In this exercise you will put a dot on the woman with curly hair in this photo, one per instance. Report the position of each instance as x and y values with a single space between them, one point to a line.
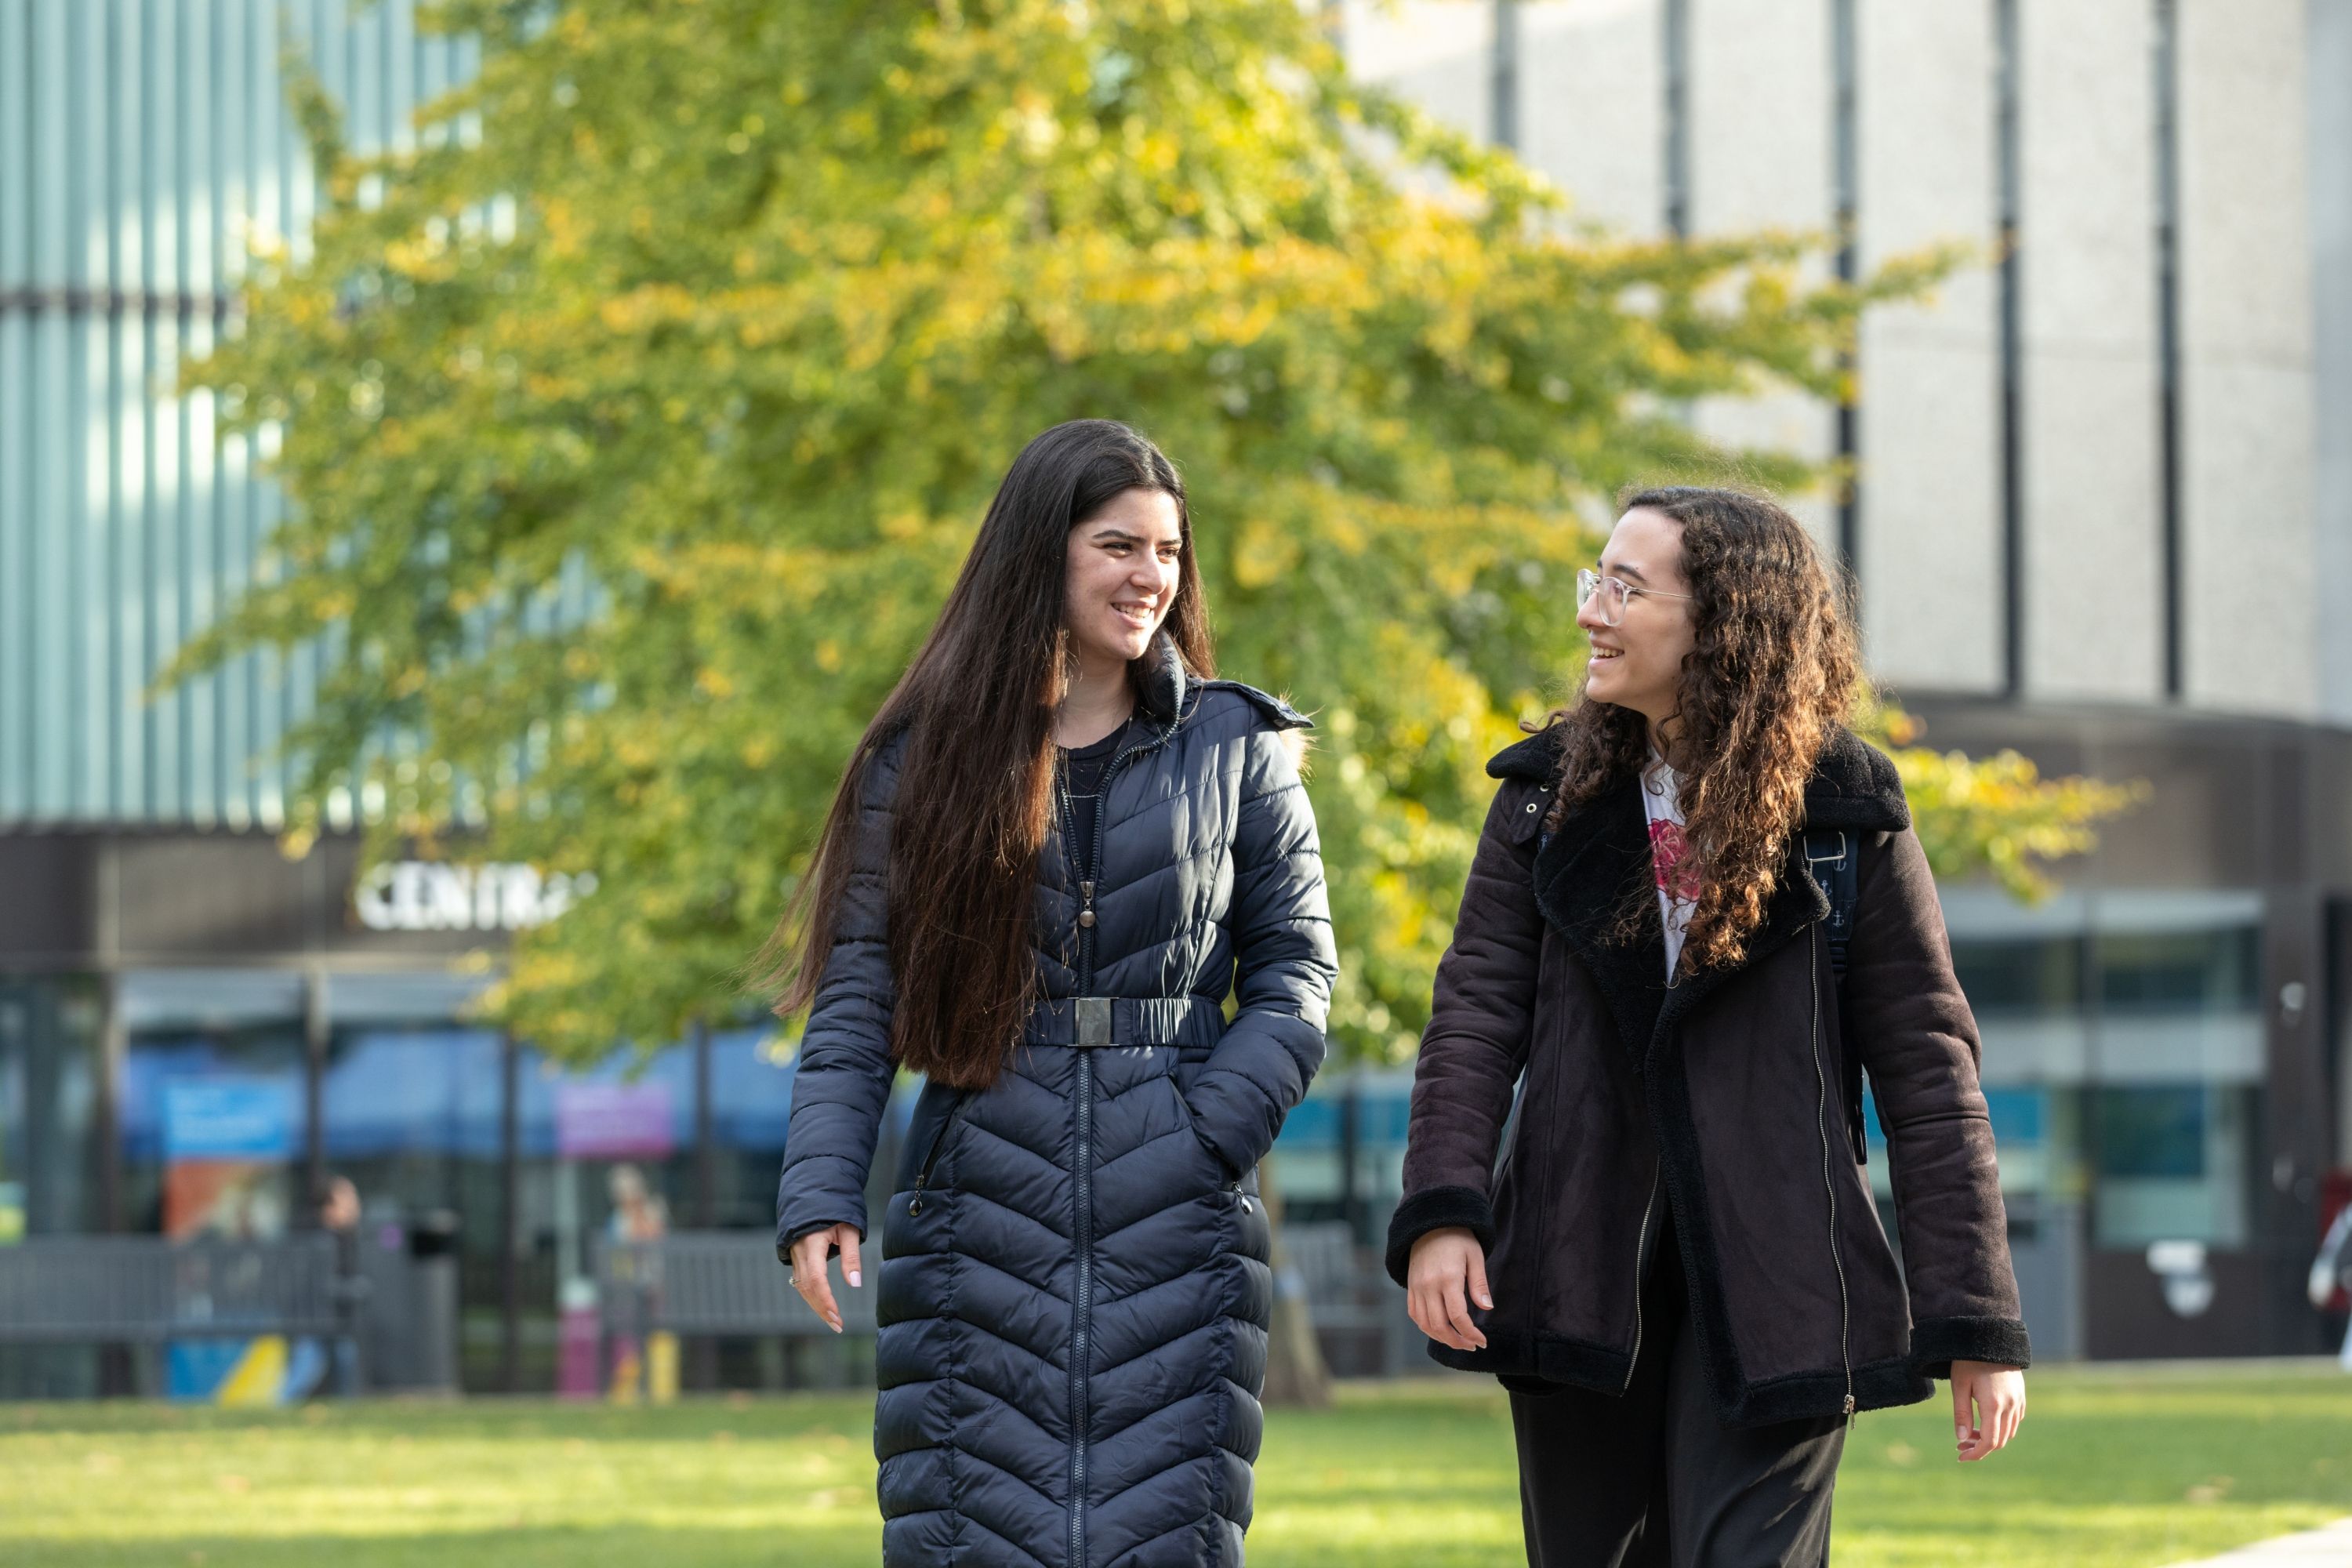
1675 1266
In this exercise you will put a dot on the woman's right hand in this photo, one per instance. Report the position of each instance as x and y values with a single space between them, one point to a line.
809 1272
1445 1274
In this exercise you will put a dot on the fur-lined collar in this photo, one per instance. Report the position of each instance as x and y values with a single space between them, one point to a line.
1598 864
1161 682
1854 783
1165 690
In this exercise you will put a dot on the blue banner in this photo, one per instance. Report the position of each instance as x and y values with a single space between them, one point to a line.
230 1119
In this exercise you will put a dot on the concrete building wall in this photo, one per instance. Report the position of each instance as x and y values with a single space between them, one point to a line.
2091 574
1760 159
1928 435
1438 53
2259 469
2249 610
2328 93
1593 107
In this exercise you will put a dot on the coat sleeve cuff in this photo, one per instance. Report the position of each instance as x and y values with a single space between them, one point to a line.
787 1234
1436 1208
1937 1343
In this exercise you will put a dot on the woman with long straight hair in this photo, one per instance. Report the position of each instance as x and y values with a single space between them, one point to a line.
1697 912
1059 848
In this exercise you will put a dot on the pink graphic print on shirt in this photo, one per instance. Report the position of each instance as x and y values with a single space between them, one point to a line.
1669 857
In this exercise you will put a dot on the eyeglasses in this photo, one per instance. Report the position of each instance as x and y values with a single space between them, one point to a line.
1613 593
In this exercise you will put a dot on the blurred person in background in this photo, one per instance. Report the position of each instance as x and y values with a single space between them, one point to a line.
2331 1273
340 1212
339 1216
637 1214
1058 847
643 1360
1677 1270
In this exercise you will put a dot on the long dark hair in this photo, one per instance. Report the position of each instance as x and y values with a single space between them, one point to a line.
1773 673
976 784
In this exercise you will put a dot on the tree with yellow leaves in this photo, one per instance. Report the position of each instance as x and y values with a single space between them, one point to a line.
632 441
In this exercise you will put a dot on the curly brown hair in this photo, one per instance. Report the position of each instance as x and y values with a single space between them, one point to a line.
1772 674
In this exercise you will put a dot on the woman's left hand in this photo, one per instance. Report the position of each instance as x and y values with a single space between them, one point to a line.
1996 1395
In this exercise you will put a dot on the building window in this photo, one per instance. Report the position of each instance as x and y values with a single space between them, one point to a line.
2138 1015
48 1106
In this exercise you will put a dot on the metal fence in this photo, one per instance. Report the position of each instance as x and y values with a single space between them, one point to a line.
723 1283
1357 1312
728 1284
140 1289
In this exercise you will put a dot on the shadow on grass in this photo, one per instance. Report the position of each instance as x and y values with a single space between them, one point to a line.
814 1546
478 1418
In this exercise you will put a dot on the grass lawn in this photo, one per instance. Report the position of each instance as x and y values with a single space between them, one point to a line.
2110 1470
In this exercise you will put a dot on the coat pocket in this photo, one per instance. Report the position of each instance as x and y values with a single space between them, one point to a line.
1228 1177
937 1109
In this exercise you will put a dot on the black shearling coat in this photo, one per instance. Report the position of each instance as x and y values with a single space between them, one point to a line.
1074 1282
1719 1099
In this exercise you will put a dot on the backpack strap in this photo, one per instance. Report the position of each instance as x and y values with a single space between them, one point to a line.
1833 856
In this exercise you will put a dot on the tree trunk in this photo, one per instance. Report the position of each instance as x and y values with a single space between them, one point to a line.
1295 1375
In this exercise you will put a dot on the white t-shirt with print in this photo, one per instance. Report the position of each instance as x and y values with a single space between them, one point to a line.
1677 878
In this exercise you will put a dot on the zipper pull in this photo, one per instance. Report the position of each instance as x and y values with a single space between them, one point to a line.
1848 1406
1086 914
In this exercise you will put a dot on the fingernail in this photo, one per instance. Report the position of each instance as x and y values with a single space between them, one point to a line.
853 1279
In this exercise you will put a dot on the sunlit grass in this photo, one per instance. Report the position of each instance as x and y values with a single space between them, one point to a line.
2110 1472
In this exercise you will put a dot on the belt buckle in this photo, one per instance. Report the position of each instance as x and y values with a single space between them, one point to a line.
1094 1020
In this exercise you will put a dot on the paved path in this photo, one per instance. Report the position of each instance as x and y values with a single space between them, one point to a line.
2327 1548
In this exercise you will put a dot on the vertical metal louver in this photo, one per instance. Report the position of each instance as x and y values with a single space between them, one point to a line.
146 146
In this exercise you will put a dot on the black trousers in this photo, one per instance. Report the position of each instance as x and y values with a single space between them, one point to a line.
1654 1480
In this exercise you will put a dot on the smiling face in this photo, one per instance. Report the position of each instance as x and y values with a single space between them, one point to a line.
1122 576
1637 663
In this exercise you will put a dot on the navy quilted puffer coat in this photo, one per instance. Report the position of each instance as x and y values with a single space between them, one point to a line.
1074 1291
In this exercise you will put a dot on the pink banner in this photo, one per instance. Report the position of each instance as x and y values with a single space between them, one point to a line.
612 1121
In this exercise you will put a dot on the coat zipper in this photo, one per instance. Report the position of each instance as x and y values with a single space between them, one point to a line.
1083 1309
1082 1160
1829 1184
931 1157
1641 1259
